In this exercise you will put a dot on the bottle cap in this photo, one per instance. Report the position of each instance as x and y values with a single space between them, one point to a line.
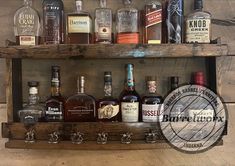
127 2
199 78
151 84
107 76
33 83
198 4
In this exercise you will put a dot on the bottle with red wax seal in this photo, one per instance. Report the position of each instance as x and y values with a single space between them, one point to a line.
199 78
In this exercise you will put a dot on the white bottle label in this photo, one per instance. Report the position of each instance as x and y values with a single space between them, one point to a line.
27 40
152 113
130 111
79 24
108 111
198 30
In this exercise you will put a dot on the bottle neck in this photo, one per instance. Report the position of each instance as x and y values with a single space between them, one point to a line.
152 87
78 6
81 85
55 87
127 2
198 5
33 96
129 82
107 89
174 86
28 3
103 3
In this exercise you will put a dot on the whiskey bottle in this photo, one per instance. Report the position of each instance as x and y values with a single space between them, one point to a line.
128 24
199 78
79 26
108 107
198 25
53 21
153 23
33 112
152 103
130 100
174 83
103 24
80 107
55 103
27 25
175 21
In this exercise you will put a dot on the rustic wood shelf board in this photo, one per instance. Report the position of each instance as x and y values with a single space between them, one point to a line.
115 51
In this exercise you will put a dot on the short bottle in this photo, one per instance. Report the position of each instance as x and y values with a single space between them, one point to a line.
80 107
153 23
198 25
27 25
53 21
79 26
55 103
128 24
174 83
130 101
152 103
108 107
175 21
103 24
33 112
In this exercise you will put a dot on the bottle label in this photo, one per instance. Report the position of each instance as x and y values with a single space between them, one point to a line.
128 38
130 111
79 24
55 112
27 40
108 111
198 30
104 33
152 113
153 18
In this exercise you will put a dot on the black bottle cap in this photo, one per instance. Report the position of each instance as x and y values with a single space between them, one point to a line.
33 83
174 80
198 4
107 76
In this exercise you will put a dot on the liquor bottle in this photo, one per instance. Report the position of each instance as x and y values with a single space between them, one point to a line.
53 21
103 24
80 107
108 107
55 103
79 26
198 25
153 23
199 78
175 21
33 112
174 83
27 25
152 103
128 24
130 100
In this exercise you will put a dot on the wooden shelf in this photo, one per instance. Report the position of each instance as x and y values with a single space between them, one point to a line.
115 51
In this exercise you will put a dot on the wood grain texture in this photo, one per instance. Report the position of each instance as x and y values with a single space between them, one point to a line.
9 99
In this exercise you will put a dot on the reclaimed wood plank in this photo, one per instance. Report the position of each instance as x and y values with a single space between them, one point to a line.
9 99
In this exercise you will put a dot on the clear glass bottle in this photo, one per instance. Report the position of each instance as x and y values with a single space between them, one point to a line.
27 25
130 100
53 21
152 103
80 107
153 23
55 103
198 25
108 107
79 26
103 24
175 21
33 112
128 24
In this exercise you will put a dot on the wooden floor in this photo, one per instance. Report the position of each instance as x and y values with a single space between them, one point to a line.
218 156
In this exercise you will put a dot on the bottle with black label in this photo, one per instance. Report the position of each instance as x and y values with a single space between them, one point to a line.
108 107
198 25
55 103
152 107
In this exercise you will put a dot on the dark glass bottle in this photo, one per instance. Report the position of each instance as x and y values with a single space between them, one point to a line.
80 107
108 107
130 100
175 21
174 83
152 107
53 15
55 103
79 26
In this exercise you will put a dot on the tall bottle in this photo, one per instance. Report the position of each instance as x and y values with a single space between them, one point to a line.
108 107
153 23
128 24
130 100
80 107
27 25
79 26
103 24
55 103
152 103
53 21
175 21
198 25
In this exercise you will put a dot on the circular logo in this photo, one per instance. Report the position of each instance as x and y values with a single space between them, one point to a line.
194 118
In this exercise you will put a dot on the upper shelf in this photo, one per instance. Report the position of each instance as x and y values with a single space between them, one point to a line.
113 51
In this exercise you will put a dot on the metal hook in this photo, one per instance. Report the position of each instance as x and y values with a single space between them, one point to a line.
30 136
77 137
126 138
102 138
54 137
